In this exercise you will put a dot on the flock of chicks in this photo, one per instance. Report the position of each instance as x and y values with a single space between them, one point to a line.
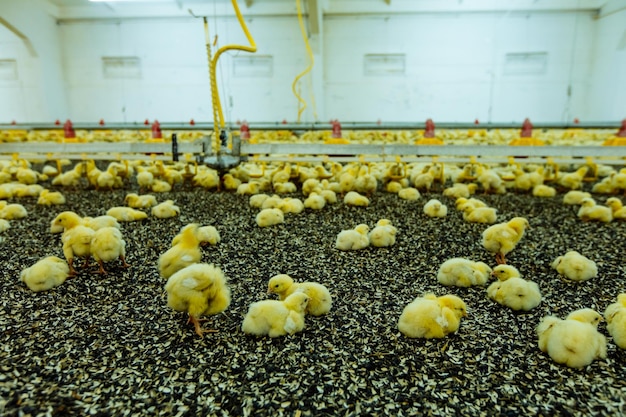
201 289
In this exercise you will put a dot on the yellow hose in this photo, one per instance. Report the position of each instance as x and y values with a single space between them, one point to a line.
301 102
217 106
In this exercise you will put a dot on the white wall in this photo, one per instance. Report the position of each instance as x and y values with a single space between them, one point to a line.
39 92
607 93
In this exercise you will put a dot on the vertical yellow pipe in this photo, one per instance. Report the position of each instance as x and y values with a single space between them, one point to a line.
308 69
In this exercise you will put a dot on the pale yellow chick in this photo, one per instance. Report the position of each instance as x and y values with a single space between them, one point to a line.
575 266
575 197
353 239
12 211
315 201
383 234
575 341
461 272
573 180
501 238
616 205
270 217
140 201
512 291
432 317
291 205
207 235
615 316
46 274
198 290
165 210
77 244
435 208
409 194
181 255
544 191
353 198
49 198
257 200
107 245
126 214
590 211
276 318
459 190
484 215
320 300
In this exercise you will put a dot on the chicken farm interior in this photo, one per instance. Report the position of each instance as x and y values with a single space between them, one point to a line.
311 208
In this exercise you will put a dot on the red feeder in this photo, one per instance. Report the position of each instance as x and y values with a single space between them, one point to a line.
336 134
284 121
476 122
429 131
57 122
13 122
244 130
101 123
192 122
576 120
146 122
621 133
156 130
68 130
527 129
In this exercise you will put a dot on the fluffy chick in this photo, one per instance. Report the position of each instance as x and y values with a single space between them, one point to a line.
107 244
46 274
126 214
198 290
353 239
77 243
615 316
575 341
574 197
165 210
320 300
409 194
502 238
485 215
461 272
140 201
383 234
12 211
617 207
435 208
315 201
512 291
270 217
353 198
276 318
575 266
590 211
432 317
181 255
49 198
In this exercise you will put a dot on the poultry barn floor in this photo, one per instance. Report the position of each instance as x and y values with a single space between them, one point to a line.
110 346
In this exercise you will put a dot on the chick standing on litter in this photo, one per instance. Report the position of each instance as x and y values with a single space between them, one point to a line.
575 266
575 341
432 317
46 274
199 290
615 316
461 272
320 300
383 235
512 291
107 245
184 253
502 238
76 238
276 318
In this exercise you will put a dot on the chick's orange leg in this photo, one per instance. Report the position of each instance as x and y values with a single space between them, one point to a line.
70 263
124 264
199 330
101 270
500 259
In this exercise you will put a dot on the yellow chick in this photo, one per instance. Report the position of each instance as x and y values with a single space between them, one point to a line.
484 215
126 214
136 201
46 274
435 208
144 178
12 211
490 180
230 182
575 341
409 194
99 222
320 300
205 234
270 217
198 290
291 205
184 253
77 243
249 188
276 318
257 200
590 211
575 197
65 221
329 195
107 244
310 185
353 239
460 190
502 238
574 180
461 272
616 205
272 202
315 201
512 291
159 186
383 235
4 225
615 316
544 191
432 317
207 178
575 266
353 198
48 198
285 187
463 202
365 182
165 210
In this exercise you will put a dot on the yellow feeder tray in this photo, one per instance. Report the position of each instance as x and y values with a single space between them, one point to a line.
615 141
398 170
526 142
428 141
336 141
